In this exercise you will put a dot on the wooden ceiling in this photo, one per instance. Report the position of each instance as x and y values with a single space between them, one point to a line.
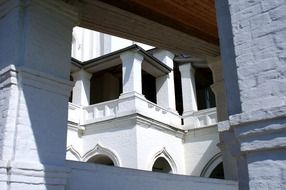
181 26
194 17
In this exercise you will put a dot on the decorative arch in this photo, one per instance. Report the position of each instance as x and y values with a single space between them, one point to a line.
100 150
211 165
75 153
164 154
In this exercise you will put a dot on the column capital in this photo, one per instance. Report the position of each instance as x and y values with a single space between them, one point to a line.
81 74
186 68
165 57
131 56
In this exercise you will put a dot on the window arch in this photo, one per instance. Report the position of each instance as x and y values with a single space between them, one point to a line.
214 168
72 154
101 155
162 165
101 159
217 172
163 162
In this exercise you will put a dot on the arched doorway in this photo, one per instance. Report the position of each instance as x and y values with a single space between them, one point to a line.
162 165
101 159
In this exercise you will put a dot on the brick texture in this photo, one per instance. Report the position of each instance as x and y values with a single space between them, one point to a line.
259 32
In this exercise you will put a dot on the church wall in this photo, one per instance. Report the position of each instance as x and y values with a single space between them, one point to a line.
74 141
118 136
258 29
8 112
200 148
88 44
152 141
91 176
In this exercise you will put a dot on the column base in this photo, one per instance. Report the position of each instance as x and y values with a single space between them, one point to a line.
258 145
23 175
131 94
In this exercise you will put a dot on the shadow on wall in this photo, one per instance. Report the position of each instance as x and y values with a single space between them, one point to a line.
42 130
210 155
92 176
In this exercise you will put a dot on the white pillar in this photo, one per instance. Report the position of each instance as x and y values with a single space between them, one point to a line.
35 48
188 88
165 85
218 87
131 72
81 89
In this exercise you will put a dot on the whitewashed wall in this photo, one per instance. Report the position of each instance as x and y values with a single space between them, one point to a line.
152 141
91 176
200 147
88 44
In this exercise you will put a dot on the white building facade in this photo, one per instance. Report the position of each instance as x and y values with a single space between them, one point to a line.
35 67
123 109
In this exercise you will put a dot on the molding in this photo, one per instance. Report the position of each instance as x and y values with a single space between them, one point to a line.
44 81
164 154
74 152
210 166
35 173
99 149
138 119
152 123
8 76
257 115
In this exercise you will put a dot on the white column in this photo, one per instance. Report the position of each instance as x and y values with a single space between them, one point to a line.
165 85
35 48
81 89
131 72
218 87
188 88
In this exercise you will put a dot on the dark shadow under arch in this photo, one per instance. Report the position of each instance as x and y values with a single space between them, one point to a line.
101 159
162 165
218 172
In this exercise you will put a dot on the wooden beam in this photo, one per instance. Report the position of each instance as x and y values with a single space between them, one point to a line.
105 18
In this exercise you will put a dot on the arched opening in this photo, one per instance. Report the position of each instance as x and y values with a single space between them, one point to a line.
162 165
218 172
101 159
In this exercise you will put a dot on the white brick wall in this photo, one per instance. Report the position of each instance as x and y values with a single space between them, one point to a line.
8 111
260 42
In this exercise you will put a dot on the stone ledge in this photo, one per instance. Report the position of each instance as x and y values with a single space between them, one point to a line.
8 76
257 115
263 145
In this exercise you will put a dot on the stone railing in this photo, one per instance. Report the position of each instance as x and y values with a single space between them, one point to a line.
74 114
129 105
139 105
199 119
101 111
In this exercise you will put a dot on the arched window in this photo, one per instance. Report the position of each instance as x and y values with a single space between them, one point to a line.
101 159
214 168
101 155
162 165
218 172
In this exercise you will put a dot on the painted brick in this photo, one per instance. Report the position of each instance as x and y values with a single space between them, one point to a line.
278 12
260 41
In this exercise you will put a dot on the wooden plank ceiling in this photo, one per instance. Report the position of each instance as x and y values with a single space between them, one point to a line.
181 26
194 17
